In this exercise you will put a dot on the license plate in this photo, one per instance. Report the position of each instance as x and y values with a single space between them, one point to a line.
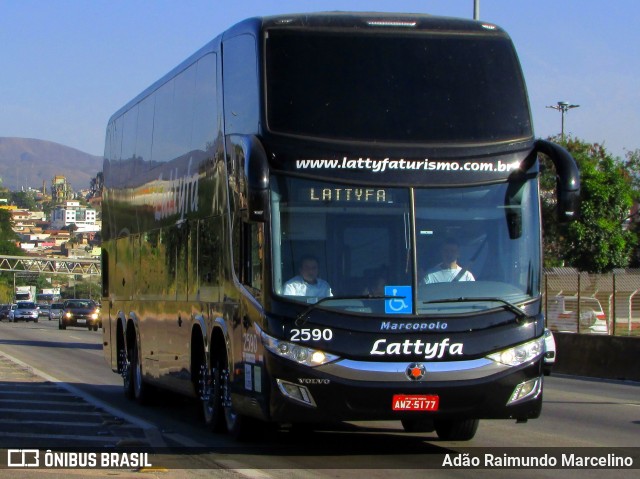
81 321
403 402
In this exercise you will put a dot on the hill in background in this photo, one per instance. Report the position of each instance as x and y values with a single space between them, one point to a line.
26 162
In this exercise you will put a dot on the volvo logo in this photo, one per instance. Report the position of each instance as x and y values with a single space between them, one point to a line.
416 371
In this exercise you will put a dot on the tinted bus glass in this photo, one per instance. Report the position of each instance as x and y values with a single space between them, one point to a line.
361 239
431 88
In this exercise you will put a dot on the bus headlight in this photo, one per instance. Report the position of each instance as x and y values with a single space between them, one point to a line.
296 352
520 354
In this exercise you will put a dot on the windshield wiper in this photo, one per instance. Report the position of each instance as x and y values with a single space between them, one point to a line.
303 316
518 311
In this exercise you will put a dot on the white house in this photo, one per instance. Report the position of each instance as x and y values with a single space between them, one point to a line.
72 213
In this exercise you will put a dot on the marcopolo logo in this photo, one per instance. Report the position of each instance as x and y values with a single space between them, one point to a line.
413 326
416 347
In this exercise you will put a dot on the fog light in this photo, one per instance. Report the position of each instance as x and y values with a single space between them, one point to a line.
526 390
296 392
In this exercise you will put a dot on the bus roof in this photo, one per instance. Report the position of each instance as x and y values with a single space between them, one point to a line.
374 21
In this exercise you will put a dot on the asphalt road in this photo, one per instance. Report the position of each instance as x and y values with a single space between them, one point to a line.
76 384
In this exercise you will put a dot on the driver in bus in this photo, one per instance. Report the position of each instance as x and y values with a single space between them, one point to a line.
448 270
307 282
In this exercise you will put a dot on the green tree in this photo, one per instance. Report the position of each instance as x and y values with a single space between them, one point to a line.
24 199
8 238
632 165
599 240
9 247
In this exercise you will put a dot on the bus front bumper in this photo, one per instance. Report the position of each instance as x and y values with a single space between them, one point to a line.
362 390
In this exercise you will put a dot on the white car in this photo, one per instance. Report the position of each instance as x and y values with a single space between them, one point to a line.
26 310
549 352
562 315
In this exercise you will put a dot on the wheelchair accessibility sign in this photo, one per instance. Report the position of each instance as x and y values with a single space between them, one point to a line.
401 301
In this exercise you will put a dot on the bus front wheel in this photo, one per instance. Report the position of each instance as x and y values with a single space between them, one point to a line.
456 430
418 425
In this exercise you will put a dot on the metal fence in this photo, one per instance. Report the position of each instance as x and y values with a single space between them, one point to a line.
570 295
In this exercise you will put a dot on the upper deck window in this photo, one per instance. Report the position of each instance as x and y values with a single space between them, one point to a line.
403 87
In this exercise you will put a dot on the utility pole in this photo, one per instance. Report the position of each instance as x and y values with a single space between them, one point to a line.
476 9
563 107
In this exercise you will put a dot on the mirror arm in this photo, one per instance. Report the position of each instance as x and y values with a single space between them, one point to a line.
568 178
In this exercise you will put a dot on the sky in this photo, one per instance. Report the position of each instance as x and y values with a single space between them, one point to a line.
67 65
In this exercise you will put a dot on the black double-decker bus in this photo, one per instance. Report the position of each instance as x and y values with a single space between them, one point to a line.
332 217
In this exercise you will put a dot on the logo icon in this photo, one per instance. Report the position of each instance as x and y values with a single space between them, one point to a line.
23 458
416 371
401 301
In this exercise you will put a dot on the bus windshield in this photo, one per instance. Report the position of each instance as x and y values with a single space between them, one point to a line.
435 88
479 243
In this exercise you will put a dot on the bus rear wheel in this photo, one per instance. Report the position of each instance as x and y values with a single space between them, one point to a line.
239 426
211 397
125 371
456 430
133 381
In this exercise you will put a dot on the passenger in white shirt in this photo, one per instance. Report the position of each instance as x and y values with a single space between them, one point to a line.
448 270
307 283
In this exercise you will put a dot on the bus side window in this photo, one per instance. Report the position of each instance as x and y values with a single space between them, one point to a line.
252 255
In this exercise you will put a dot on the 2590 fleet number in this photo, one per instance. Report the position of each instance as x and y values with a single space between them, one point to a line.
308 334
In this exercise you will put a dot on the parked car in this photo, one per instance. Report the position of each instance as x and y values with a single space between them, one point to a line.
4 311
549 352
562 315
80 312
26 310
55 312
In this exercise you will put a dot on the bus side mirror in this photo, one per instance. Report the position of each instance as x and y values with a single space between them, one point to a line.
567 179
257 171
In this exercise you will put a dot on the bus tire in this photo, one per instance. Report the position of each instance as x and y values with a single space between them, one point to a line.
418 425
140 388
240 427
211 397
124 367
456 430
133 382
